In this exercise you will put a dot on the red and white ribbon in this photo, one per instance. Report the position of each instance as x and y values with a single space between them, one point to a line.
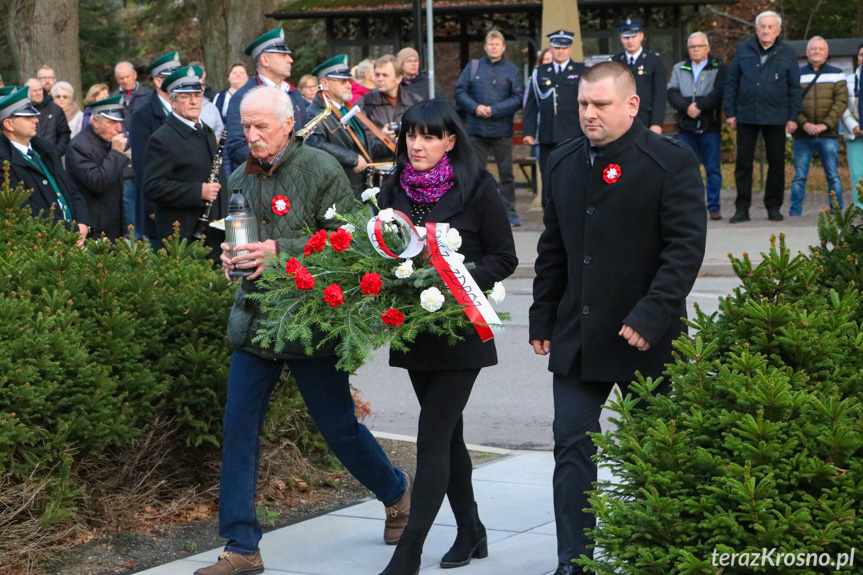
375 231
450 266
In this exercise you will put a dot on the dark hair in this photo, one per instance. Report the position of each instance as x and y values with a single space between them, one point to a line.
437 118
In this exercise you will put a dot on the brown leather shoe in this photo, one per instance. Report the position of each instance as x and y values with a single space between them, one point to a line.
397 515
235 564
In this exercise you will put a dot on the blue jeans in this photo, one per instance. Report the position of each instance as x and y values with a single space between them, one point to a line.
129 205
327 394
706 147
804 149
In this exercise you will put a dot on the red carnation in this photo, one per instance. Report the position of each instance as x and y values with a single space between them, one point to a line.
393 317
292 265
333 295
316 243
304 279
370 284
340 239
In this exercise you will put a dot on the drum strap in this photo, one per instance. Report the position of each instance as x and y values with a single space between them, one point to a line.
374 129
353 134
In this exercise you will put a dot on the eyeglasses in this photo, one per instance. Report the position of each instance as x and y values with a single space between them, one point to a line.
45 78
61 97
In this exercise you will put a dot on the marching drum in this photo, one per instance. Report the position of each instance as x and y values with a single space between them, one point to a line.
378 172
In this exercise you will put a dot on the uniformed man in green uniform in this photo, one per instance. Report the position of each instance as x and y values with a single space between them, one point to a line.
551 110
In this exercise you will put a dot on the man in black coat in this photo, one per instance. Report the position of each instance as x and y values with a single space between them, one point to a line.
32 162
53 128
272 59
178 163
624 237
95 161
145 121
648 69
346 142
553 97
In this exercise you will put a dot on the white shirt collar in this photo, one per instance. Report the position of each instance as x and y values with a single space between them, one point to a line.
189 123
634 57
284 86
21 148
165 103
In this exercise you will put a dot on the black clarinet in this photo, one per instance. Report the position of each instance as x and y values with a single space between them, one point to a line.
204 218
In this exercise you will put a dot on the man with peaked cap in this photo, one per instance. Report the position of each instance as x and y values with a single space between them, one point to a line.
553 94
95 162
346 142
178 162
273 61
33 163
145 121
649 72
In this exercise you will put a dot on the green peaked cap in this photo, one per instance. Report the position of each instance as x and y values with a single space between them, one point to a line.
335 67
165 65
17 104
112 108
185 79
272 41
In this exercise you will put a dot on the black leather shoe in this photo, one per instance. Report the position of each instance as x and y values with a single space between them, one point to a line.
773 215
740 216
564 569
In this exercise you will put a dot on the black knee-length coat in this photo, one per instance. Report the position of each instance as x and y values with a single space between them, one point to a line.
625 252
487 241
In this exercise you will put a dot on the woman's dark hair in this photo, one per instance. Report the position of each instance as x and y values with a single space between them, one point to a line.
439 119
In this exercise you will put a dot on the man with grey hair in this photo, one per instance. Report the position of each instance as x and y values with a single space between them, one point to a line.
825 97
695 91
762 95
290 186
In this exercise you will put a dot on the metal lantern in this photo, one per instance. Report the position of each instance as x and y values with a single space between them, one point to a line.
241 227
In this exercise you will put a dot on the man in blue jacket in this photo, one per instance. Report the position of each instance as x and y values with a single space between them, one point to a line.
762 95
489 91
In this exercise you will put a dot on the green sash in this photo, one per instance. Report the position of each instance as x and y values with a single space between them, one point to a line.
36 160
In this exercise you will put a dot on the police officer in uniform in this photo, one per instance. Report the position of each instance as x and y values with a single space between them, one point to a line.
146 120
553 94
647 68
345 141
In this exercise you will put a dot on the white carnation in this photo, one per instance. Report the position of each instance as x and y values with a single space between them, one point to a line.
350 228
498 292
405 269
331 212
386 215
453 239
369 194
431 299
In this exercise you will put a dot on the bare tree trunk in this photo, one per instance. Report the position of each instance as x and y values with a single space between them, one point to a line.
227 27
45 32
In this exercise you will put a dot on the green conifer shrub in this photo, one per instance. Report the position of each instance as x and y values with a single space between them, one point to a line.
759 443
105 348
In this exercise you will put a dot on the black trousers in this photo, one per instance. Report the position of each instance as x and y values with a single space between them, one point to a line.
443 462
577 407
774 147
544 152
501 150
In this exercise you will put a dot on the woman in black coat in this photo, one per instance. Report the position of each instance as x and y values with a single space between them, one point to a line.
438 179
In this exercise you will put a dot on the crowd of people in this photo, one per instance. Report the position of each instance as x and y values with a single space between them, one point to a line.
624 214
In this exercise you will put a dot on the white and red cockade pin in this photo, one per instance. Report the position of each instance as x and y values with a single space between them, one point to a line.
611 173
281 205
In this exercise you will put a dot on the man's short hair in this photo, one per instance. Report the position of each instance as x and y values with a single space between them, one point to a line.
124 63
623 78
495 34
282 107
389 59
698 35
813 38
767 14
45 67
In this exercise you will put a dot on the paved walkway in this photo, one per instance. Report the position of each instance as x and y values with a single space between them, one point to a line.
514 498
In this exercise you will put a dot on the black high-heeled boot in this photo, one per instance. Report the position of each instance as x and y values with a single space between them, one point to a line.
407 556
470 542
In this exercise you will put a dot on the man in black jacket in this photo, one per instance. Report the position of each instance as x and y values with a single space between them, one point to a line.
32 162
551 108
624 239
178 163
145 121
345 141
135 95
95 161
763 95
53 127
649 72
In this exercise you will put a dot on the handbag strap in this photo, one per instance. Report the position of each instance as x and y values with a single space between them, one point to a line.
811 84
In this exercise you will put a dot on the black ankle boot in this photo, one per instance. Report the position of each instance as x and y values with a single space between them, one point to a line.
407 556
470 541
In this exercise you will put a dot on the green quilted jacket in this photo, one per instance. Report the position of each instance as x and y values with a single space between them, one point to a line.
313 181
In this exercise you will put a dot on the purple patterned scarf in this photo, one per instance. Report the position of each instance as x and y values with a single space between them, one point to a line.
427 187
